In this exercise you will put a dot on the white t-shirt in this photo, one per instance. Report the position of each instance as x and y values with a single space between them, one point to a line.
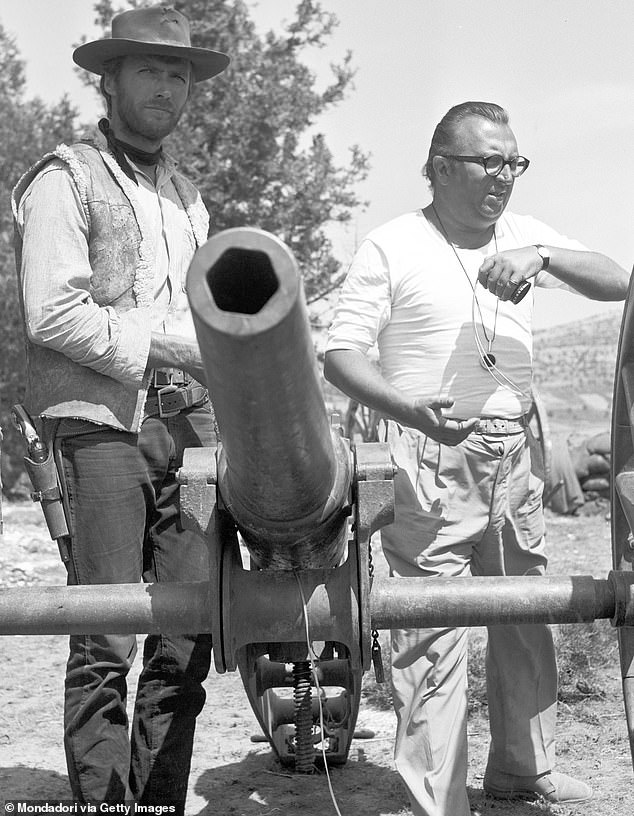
407 292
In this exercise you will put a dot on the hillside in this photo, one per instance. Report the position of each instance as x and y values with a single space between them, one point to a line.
574 368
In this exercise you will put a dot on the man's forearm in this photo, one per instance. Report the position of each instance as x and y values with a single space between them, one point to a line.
176 351
351 372
590 273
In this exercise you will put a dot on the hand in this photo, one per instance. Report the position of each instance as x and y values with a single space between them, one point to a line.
429 419
501 273
176 351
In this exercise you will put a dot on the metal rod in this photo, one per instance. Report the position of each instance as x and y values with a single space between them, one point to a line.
105 609
483 601
394 603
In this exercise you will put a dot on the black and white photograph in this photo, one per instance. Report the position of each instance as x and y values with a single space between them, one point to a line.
317 407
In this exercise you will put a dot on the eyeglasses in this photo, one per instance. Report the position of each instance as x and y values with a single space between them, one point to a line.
493 165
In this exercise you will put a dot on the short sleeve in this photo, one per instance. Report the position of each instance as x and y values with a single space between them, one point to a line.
364 304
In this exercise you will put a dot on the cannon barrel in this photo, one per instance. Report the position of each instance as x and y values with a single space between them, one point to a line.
283 473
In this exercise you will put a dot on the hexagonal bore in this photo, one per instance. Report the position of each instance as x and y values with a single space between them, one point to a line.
242 280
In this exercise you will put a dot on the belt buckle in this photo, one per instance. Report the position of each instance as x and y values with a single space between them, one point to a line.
167 389
167 376
500 425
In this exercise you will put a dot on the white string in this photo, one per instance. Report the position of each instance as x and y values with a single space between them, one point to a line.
499 376
487 357
312 657
466 274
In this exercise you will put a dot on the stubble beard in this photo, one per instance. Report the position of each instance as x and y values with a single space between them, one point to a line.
154 130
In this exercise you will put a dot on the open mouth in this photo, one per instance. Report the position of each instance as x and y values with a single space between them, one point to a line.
498 198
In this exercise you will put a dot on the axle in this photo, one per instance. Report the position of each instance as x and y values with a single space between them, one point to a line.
275 612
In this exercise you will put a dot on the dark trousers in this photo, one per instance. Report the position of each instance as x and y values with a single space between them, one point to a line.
125 523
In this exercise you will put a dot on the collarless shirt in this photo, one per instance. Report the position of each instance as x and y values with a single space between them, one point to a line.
174 243
418 300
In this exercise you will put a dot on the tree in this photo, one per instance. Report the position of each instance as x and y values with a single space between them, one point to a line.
28 129
247 139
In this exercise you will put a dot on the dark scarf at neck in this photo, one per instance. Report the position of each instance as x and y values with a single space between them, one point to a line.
120 150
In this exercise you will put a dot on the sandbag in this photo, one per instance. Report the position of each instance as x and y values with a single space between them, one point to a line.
596 463
595 484
599 444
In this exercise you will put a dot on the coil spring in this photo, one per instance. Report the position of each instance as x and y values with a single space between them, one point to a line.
302 697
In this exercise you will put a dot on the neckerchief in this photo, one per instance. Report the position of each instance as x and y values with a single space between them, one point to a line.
120 150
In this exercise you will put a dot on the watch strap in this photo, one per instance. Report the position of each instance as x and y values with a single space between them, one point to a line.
544 254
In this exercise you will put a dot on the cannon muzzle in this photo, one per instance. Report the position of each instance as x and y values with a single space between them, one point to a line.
283 473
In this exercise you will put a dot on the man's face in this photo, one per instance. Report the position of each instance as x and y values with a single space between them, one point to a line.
148 97
475 198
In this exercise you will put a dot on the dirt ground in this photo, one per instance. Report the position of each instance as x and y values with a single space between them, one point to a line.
234 776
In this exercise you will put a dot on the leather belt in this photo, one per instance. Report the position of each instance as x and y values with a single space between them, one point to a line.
172 399
501 427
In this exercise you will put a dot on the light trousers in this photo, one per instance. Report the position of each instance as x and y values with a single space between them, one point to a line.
473 509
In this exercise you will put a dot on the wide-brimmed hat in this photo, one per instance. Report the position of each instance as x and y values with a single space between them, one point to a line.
159 30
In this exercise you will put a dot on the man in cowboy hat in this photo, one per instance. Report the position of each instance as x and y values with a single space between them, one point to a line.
105 231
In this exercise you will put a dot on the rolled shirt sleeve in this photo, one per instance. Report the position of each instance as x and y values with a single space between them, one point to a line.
55 277
364 305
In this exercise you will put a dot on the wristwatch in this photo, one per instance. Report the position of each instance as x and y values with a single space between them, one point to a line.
544 254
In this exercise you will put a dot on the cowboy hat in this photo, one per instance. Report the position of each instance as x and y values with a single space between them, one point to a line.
157 30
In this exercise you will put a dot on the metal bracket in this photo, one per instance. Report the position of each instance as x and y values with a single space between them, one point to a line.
197 477
374 508
622 584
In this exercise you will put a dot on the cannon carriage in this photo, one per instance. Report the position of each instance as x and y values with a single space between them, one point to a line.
288 506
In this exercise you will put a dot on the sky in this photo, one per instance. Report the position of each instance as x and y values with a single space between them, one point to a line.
564 69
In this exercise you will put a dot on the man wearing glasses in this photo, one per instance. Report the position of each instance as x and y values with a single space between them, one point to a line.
446 292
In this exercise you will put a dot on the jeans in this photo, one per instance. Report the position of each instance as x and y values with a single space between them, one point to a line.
123 501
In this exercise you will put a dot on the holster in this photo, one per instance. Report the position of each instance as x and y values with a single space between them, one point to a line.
1 522
47 491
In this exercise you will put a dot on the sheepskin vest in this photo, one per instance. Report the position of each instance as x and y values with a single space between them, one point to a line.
121 258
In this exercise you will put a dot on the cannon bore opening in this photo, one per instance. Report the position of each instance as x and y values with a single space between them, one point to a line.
242 280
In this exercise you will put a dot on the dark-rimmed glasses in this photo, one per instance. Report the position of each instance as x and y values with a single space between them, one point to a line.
493 165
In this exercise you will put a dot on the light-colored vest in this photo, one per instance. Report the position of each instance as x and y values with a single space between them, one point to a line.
121 258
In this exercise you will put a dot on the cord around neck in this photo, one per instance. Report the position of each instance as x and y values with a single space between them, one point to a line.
466 238
445 234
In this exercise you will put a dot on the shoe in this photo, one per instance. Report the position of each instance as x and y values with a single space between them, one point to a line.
552 786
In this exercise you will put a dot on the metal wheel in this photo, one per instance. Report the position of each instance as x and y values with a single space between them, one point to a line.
622 492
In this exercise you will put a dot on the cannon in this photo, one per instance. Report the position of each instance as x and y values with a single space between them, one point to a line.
289 505
285 478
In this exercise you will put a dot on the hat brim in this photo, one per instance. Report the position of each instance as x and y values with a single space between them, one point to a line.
205 62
